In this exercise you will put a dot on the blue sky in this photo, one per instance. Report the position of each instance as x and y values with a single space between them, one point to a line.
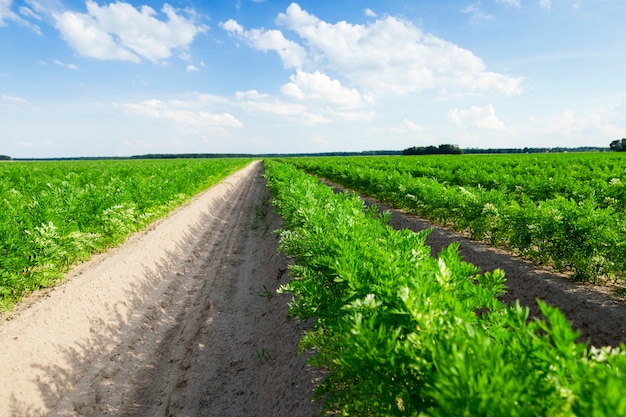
92 78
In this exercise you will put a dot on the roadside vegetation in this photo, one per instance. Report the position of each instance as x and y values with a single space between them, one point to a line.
402 333
53 214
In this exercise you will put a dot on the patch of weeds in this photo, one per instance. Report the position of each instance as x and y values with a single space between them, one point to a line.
260 215
621 292
264 355
265 292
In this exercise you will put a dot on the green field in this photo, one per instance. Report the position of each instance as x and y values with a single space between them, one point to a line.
401 333
563 210
53 214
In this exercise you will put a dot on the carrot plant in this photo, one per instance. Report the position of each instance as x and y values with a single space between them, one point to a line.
567 211
53 214
402 333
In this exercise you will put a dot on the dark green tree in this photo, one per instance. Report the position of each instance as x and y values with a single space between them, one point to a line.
618 145
444 149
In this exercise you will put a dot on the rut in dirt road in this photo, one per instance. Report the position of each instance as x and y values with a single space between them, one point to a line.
196 329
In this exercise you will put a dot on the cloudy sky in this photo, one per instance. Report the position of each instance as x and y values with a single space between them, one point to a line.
93 78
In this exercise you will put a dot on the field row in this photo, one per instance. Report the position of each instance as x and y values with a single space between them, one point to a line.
567 211
53 214
404 334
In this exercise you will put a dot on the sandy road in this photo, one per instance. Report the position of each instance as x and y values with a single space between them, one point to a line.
178 321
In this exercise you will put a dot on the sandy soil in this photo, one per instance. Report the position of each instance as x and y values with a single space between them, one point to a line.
182 320
178 321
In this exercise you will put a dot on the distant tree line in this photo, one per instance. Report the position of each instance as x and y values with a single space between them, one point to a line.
618 145
558 149
214 155
444 149
263 155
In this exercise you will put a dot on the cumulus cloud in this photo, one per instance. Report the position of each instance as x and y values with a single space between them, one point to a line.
392 56
483 118
254 102
388 56
189 116
320 87
119 31
303 104
192 68
370 13
608 120
292 54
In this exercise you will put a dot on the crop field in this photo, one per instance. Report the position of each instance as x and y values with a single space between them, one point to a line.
563 210
53 214
401 332
394 329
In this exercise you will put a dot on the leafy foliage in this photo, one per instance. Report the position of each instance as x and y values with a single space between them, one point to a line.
445 149
404 334
618 145
53 214
564 210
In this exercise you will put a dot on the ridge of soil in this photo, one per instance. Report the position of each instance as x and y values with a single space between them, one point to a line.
181 320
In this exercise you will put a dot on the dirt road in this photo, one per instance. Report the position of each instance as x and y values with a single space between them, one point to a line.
181 320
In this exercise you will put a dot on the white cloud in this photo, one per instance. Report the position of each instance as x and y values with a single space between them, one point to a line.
392 56
27 12
253 102
476 13
119 31
6 15
189 116
412 126
370 13
12 101
64 65
608 121
407 127
232 26
5 11
483 118
389 56
304 107
320 87
192 68
292 54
